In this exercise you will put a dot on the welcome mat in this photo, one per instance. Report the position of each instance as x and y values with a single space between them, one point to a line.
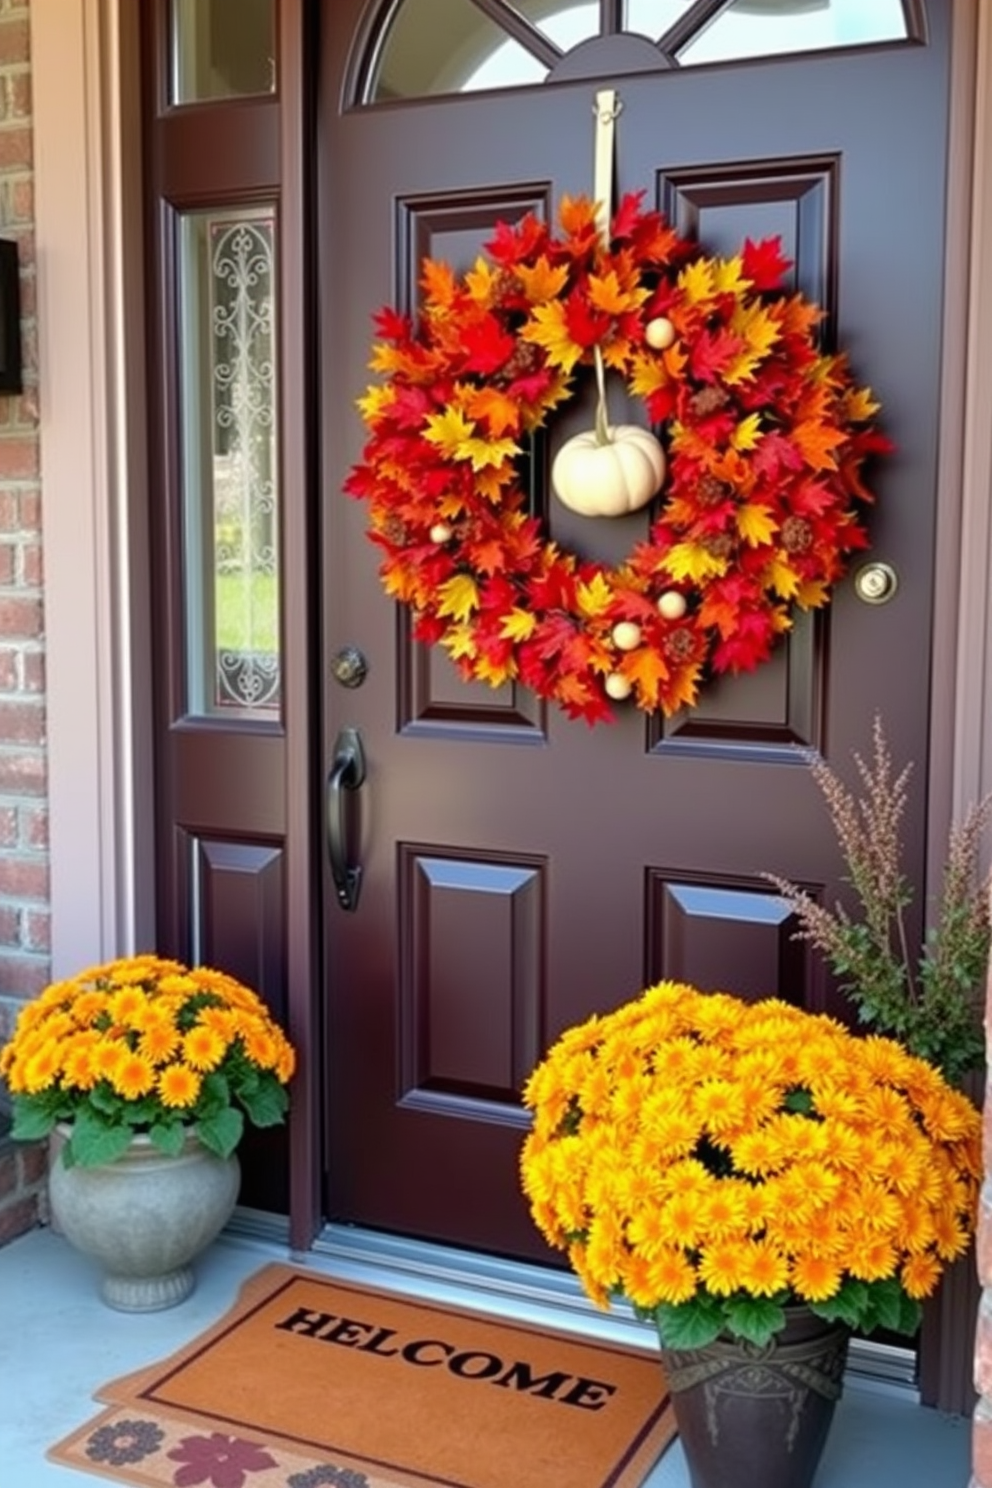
308 1382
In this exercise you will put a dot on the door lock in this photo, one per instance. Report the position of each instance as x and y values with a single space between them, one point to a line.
876 583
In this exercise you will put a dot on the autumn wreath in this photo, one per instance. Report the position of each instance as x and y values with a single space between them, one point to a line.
766 437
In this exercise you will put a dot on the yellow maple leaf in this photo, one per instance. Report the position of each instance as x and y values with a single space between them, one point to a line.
696 280
448 430
812 594
859 405
458 596
648 373
689 560
756 524
607 294
543 280
459 640
374 402
595 597
682 689
728 276
757 325
517 625
781 577
548 328
479 281
486 452
747 433
494 672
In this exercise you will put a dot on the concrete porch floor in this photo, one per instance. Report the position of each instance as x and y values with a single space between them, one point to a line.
58 1343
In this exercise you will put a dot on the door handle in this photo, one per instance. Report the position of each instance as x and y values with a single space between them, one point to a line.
346 774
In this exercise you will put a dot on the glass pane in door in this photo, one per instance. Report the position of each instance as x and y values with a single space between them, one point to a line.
222 49
759 28
227 284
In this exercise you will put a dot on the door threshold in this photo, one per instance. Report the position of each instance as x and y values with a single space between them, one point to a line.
521 1289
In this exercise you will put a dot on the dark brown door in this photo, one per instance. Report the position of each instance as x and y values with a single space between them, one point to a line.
521 871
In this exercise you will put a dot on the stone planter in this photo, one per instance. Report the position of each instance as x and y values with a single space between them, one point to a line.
145 1218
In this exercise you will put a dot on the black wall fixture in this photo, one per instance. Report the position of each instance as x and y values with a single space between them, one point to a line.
10 318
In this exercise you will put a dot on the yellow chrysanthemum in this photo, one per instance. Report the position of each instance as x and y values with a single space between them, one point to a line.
722 1266
133 1077
203 1048
764 1269
815 1278
41 1069
178 1086
920 1274
159 1041
127 1006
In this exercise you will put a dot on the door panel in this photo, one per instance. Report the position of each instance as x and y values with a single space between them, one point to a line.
521 871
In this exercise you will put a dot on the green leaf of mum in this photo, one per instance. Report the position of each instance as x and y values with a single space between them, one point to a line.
755 1319
688 1325
266 1104
168 1137
222 1131
94 1142
849 1305
32 1119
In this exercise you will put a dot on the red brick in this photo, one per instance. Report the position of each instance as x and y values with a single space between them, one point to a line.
11 828
10 511
19 454
32 678
19 1218
23 773
33 827
10 925
33 1160
10 669
22 878
20 616
24 976
22 722
15 42
31 566
30 512
983 1347
17 95
15 143
37 930
8 563
10 1178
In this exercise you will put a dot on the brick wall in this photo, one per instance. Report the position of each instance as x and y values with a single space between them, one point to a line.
24 907
24 903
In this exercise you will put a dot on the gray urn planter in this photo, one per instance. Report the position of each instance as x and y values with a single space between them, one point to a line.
145 1218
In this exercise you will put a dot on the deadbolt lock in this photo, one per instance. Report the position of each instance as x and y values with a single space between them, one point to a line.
349 667
876 583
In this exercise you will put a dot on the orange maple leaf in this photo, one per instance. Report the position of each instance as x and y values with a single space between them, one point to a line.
817 442
542 281
646 668
606 293
438 282
500 412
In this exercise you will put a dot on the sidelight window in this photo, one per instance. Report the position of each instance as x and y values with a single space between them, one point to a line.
496 44
227 289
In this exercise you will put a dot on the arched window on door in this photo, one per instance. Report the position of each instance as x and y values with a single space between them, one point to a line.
430 47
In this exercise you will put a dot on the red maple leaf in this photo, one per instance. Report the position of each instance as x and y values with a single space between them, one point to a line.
764 264
486 345
391 325
584 326
713 352
628 216
513 244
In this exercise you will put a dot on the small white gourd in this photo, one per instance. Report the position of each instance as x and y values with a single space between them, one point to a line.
606 472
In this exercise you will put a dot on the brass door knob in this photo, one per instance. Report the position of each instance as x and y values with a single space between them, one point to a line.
876 583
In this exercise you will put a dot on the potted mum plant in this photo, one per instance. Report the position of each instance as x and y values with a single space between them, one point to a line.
757 1181
145 1071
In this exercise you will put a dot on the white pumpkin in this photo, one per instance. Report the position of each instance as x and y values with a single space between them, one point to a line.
611 478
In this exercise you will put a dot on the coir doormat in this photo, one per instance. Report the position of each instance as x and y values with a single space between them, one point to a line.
309 1382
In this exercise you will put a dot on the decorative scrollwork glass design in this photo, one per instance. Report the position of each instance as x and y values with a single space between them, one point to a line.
228 281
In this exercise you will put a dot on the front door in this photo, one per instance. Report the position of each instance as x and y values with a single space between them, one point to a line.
521 871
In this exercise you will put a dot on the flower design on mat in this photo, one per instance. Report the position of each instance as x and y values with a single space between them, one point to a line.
222 1461
121 1442
326 1476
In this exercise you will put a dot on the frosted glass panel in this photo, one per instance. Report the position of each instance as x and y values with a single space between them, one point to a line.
758 28
222 49
227 282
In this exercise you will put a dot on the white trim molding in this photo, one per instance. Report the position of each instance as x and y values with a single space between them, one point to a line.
91 396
